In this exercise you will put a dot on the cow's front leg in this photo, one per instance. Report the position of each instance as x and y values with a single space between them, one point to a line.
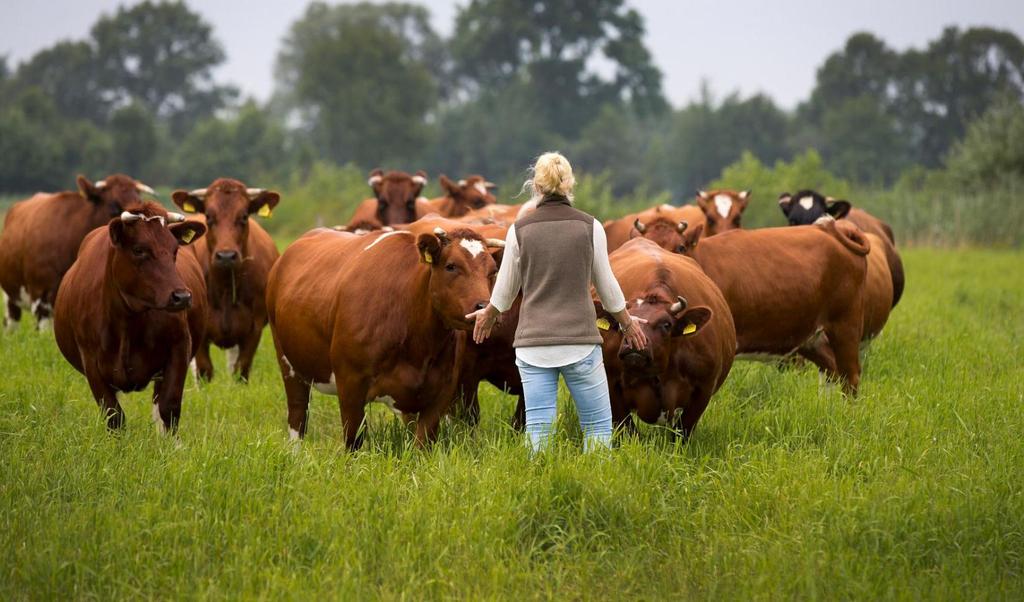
204 365
246 352
105 396
167 392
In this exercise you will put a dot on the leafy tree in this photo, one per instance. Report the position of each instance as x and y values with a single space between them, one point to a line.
991 155
67 73
160 55
135 140
551 48
361 78
616 142
859 140
248 147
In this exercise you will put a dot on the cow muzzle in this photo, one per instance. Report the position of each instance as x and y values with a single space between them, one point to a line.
226 258
180 300
634 359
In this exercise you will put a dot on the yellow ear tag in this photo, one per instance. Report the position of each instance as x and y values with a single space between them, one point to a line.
188 235
603 323
690 328
427 258
188 207
264 211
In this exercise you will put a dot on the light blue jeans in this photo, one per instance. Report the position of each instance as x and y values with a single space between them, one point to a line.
588 383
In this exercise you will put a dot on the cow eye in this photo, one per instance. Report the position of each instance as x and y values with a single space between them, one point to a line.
681 249
139 252
210 220
793 222
665 326
451 267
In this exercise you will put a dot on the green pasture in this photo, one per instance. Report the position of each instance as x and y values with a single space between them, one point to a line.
913 490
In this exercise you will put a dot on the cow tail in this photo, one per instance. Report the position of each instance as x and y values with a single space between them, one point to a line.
851 237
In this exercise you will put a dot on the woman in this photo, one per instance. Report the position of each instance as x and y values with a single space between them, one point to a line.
554 254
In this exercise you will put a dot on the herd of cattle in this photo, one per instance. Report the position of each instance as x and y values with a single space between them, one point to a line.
375 309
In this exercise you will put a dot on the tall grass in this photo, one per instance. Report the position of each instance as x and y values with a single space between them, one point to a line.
912 490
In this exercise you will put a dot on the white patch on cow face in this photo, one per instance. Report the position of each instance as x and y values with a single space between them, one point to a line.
329 388
231 355
639 302
383 236
475 247
723 204
807 202
480 188
291 370
293 435
666 207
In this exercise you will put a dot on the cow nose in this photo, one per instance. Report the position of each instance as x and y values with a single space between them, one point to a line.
226 256
634 359
180 300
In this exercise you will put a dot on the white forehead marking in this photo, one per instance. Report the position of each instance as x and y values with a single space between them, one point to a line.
667 207
383 236
639 301
475 247
723 204
480 186
807 202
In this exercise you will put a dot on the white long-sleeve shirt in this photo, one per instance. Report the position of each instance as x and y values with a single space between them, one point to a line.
510 281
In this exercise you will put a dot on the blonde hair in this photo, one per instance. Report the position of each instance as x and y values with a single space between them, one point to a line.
552 174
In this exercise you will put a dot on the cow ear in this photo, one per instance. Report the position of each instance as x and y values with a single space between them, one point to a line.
838 209
450 187
702 199
188 202
118 232
605 321
785 202
429 247
87 189
691 237
691 321
187 232
264 203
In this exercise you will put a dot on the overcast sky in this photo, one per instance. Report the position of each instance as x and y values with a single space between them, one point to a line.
745 45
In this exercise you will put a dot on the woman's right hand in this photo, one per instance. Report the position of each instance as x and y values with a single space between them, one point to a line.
629 325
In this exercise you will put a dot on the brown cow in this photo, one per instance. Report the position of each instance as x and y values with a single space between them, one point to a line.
473 192
788 286
376 315
132 309
807 206
722 208
236 255
42 234
662 224
494 360
395 195
501 215
690 333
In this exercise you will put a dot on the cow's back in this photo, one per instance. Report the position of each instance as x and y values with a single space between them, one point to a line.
782 283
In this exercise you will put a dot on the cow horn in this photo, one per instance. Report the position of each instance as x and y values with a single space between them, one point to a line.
252 193
682 226
199 192
640 227
143 188
418 179
129 217
495 242
387 229
100 185
440 233
462 183
375 179
173 218
678 306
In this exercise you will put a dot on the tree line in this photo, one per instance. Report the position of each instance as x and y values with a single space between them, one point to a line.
375 85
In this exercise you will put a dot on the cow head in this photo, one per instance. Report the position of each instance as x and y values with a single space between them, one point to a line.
142 262
228 206
723 208
669 321
468 194
663 232
396 193
805 207
113 194
462 273
689 239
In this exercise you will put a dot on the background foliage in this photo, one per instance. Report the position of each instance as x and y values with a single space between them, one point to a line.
925 136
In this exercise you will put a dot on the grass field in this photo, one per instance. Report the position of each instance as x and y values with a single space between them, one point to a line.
913 490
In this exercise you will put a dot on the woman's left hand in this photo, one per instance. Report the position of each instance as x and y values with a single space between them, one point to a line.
485 319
